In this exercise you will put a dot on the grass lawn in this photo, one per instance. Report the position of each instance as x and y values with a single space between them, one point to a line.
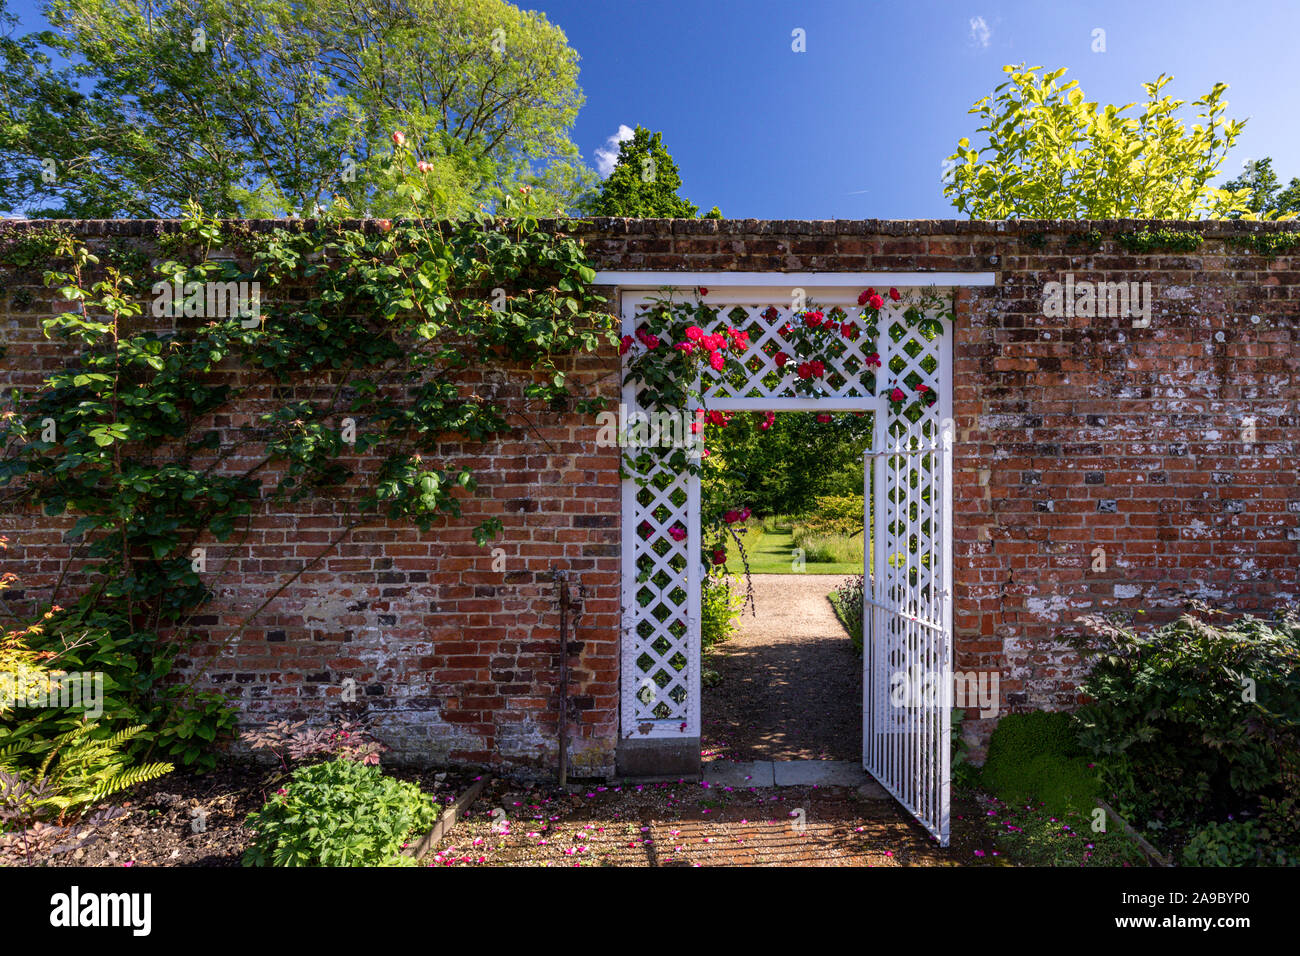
772 554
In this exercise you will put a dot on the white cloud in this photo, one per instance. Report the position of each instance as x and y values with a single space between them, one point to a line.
980 32
607 155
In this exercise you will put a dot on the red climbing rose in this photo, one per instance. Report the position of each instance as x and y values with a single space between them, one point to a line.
719 557
824 418
875 302
694 333
893 294
897 395
804 370
781 358
625 344
717 361
817 368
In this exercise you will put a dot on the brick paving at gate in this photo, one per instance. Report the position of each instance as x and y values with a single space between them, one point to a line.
695 824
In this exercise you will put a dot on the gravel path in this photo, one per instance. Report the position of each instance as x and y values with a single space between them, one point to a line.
791 682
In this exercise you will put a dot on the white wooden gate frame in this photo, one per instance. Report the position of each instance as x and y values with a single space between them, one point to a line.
669 709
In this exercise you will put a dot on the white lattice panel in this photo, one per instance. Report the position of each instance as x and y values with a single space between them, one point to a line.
908 660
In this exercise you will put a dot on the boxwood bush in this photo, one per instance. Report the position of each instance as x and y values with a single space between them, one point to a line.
1035 758
339 813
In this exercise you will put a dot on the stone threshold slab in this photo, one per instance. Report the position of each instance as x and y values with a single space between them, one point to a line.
786 773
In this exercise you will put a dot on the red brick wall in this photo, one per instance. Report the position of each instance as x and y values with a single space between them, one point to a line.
1073 434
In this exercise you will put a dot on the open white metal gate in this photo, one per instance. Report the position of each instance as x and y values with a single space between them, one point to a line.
907 645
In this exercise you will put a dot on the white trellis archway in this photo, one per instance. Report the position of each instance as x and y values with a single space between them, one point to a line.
660 679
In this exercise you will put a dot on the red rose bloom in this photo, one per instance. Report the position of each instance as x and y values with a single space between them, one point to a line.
717 361
849 330
624 344
817 367
804 370
922 388
897 395
677 532
719 557
824 419
862 298
875 302
813 319
703 291
781 358
893 294
768 419
873 360
686 347
731 517
694 333
771 314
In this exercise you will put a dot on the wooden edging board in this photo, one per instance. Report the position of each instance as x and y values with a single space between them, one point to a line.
447 819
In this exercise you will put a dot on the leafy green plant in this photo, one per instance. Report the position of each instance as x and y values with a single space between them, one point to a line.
1051 154
965 775
720 605
80 770
339 813
847 601
1234 843
1194 720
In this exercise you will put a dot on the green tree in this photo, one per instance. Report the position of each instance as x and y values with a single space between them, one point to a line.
1267 198
780 469
644 183
278 107
1052 155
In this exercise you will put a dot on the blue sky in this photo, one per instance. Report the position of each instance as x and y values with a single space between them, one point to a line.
858 126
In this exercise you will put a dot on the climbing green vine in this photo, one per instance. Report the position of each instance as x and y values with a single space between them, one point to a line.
357 357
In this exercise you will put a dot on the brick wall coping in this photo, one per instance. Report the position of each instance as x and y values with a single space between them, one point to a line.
1210 228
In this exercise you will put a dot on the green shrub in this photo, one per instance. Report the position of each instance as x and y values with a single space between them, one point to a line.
719 608
1271 839
1035 758
1193 722
845 507
1224 844
826 548
79 769
339 813
182 726
847 602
